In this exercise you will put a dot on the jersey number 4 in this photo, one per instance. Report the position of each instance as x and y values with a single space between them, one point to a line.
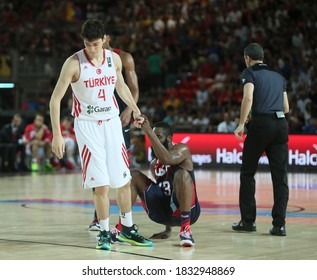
102 94
166 188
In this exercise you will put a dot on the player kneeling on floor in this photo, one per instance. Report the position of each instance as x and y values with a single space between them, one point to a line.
172 199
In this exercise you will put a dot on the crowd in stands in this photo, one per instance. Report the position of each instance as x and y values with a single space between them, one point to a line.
188 54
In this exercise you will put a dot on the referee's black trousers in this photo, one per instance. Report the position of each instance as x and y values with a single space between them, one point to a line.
266 134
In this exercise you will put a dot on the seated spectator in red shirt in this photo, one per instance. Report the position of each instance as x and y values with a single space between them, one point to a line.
38 140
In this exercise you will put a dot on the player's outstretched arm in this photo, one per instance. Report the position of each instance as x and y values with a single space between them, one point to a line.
68 72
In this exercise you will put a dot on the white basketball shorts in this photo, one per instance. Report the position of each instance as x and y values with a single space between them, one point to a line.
103 154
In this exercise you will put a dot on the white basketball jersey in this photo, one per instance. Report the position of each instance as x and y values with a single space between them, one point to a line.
93 92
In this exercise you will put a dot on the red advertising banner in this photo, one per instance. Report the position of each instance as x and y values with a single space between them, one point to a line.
225 149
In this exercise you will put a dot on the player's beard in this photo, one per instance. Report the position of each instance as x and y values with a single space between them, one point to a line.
165 144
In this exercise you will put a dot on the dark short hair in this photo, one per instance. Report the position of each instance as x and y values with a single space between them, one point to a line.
92 29
167 129
254 51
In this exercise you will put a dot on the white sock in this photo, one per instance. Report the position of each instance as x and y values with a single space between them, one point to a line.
126 219
104 225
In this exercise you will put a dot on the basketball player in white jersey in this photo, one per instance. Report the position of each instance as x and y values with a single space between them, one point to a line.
94 73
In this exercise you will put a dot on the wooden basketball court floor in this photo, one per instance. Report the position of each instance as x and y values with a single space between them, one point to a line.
46 217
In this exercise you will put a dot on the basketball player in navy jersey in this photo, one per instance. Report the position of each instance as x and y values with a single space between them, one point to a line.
131 80
172 199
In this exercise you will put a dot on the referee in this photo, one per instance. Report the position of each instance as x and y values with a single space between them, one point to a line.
264 95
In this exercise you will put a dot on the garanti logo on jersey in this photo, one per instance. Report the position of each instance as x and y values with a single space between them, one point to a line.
97 109
90 109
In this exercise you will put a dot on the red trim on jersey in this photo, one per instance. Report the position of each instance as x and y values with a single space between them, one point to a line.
85 155
76 106
104 58
115 101
125 155
118 51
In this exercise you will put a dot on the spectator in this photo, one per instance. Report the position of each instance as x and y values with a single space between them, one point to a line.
11 144
298 39
171 68
173 101
155 64
201 94
311 127
296 121
184 122
208 69
159 25
38 140
171 116
201 122
308 112
302 101
220 79
227 125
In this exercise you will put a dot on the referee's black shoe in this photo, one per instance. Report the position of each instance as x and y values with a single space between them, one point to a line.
244 226
278 231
